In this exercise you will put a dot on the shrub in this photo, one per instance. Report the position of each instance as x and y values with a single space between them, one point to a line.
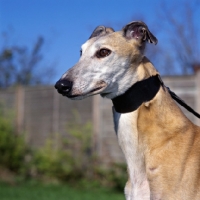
12 145
118 175
66 158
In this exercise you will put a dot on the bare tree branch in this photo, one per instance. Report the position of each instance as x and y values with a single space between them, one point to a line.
19 65
182 41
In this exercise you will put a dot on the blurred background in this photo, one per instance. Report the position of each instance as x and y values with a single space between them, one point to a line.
51 147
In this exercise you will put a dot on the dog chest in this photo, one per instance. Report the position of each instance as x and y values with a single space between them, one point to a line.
127 133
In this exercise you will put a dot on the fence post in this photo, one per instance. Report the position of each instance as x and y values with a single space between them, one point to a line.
96 118
20 96
56 107
55 122
197 120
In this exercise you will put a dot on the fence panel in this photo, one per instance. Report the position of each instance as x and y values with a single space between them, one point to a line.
41 113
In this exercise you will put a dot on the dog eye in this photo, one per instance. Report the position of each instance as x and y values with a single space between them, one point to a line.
80 52
103 53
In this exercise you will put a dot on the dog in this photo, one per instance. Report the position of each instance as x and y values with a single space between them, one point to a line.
161 146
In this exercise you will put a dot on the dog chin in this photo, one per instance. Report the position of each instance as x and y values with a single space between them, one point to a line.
77 97
80 96
108 95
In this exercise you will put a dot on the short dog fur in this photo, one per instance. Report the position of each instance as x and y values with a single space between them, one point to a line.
161 146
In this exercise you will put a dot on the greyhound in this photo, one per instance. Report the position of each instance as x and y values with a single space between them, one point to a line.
161 146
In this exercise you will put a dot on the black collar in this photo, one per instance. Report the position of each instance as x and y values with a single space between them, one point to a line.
137 94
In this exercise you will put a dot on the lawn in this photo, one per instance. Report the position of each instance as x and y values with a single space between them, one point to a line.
55 192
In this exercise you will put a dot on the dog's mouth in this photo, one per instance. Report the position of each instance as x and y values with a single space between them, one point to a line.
97 90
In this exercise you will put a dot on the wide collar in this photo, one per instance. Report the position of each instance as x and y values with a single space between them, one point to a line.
140 92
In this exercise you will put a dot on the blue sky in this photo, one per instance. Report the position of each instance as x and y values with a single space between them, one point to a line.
66 25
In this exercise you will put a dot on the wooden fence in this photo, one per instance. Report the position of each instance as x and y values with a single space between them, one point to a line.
41 112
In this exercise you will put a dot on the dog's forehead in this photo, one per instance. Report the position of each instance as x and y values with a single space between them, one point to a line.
112 39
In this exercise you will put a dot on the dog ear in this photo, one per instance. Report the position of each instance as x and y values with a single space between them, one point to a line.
139 31
100 31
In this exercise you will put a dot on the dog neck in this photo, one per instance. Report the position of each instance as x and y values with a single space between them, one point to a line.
141 92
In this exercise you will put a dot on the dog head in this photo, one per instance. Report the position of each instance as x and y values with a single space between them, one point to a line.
108 62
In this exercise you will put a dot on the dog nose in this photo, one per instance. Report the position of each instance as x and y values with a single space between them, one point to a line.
63 86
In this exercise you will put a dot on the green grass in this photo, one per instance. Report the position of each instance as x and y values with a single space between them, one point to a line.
55 192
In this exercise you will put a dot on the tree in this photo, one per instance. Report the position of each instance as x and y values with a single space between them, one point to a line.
178 26
21 66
